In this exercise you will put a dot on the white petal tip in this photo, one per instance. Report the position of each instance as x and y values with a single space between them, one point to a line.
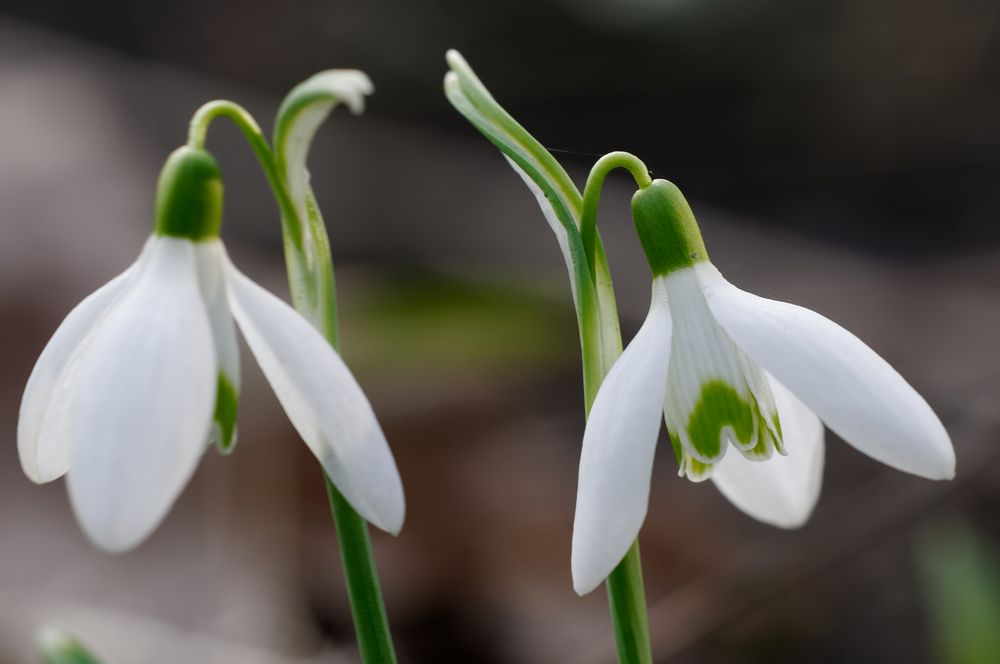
36 475
392 525
585 583
932 458
791 521
112 542
943 472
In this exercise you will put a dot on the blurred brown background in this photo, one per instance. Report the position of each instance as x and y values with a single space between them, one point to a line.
842 155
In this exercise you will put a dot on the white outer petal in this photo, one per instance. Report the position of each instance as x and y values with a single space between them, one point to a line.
853 390
41 441
618 447
142 406
781 491
323 401
552 218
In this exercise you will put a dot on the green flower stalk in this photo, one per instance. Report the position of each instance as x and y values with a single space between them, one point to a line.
572 217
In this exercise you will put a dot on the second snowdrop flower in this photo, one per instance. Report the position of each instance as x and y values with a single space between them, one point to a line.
144 374
727 369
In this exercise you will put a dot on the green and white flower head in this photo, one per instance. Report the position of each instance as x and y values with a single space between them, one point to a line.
744 385
143 375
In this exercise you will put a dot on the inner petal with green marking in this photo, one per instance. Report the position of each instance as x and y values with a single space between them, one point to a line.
224 420
716 396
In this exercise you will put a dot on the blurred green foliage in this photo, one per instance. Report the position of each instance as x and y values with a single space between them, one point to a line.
60 647
961 578
448 327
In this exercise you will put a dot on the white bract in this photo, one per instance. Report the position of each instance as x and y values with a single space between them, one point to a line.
726 368
143 374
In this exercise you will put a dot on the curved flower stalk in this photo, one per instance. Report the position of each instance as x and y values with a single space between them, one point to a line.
570 215
728 369
144 374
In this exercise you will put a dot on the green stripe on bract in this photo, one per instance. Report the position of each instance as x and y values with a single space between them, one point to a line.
226 407
718 407
667 229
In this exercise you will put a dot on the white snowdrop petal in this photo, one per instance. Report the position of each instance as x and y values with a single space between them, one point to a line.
853 390
323 401
41 440
781 491
140 411
618 447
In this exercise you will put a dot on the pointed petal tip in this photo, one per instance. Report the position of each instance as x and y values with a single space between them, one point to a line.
104 535
585 578
790 521
941 469
393 527
35 475
392 522
111 545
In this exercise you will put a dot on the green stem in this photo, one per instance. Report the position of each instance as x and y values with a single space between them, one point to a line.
626 594
597 315
222 108
592 195
371 624
627 600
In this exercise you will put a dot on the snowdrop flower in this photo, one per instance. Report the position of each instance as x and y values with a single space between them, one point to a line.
144 374
727 369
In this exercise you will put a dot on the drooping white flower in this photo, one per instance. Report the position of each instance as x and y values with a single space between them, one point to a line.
143 374
726 368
